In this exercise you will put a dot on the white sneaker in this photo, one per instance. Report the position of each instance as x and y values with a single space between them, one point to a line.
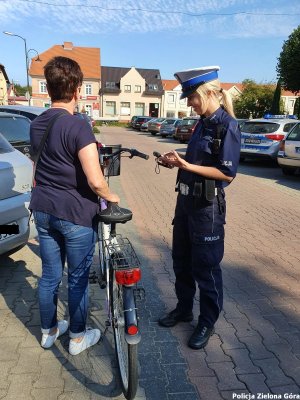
90 338
48 340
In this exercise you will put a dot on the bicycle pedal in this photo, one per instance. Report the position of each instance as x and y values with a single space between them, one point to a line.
103 335
102 284
139 294
93 277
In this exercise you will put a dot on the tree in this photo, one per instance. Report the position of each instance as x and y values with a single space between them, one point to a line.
255 100
288 66
275 108
297 107
20 90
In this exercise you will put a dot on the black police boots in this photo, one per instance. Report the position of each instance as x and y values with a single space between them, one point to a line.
174 317
200 336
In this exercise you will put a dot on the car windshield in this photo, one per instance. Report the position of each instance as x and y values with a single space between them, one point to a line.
15 129
189 122
260 127
159 119
294 134
169 122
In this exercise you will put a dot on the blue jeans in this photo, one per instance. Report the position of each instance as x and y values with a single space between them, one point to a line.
61 240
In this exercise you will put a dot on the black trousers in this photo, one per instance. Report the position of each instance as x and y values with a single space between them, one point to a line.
198 248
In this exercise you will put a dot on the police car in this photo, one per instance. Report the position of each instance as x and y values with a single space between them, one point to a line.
261 137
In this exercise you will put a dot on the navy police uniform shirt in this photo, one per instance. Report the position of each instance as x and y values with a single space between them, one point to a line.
200 147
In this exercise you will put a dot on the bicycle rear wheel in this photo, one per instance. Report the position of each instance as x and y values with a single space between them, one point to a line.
126 353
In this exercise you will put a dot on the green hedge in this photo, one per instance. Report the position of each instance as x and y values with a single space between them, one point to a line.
111 123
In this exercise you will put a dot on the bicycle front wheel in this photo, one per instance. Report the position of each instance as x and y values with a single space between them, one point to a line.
126 353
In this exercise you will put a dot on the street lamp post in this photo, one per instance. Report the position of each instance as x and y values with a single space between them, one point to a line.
26 60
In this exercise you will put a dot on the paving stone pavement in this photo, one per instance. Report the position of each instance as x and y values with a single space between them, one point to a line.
256 347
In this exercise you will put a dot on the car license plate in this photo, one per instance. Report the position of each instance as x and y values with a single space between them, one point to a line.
252 141
184 130
4 233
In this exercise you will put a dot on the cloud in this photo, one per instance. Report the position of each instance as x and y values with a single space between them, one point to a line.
140 16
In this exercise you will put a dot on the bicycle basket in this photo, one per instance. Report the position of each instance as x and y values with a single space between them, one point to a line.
111 166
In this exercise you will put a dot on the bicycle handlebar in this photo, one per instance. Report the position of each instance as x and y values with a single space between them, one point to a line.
132 152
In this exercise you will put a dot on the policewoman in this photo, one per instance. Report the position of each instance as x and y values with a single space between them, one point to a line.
210 164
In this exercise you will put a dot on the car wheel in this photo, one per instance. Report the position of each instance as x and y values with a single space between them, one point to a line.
182 141
153 133
163 136
288 171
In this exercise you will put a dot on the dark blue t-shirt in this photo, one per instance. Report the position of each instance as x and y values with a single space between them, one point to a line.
61 185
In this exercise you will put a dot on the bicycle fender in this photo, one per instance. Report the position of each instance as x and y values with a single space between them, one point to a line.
130 315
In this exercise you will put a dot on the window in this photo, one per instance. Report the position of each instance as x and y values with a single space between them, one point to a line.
110 85
110 108
170 114
171 98
88 89
88 109
125 108
43 87
137 88
139 109
153 86
288 127
294 134
127 88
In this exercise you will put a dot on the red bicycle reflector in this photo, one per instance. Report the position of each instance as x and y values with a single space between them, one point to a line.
128 276
277 136
132 330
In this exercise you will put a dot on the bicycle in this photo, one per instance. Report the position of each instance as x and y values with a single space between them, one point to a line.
119 272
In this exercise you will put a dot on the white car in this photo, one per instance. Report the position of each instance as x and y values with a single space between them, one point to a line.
16 178
289 152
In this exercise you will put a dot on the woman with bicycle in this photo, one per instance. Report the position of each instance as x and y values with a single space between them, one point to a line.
64 203
210 164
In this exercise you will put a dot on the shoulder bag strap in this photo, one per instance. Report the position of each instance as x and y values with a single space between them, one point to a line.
43 141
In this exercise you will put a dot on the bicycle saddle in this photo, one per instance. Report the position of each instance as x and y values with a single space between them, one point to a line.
114 213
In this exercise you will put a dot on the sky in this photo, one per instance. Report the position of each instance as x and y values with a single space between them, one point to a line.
244 37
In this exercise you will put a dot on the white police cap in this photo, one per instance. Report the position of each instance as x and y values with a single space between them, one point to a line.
191 79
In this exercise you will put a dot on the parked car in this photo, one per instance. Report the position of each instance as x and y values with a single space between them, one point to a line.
169 127
139 121
289 152
27 111
16 178
241 121
32 112
86 117
15 128
154 125
186 129
133 120
144 126
261 137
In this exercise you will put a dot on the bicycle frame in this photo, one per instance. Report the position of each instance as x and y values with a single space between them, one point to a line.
119 274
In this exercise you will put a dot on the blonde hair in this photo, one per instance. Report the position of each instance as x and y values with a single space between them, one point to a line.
222 95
